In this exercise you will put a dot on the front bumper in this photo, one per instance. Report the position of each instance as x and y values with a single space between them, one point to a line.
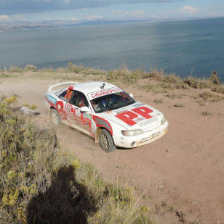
143 139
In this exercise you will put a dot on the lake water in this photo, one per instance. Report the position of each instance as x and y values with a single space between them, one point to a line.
193 47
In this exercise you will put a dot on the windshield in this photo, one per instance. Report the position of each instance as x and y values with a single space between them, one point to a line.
111 102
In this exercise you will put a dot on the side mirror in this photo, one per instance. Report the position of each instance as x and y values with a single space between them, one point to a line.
131 95
84 109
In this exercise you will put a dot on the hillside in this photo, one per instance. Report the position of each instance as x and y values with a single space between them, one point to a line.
42 183
179 177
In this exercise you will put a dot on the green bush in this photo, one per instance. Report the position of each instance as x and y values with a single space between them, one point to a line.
40 183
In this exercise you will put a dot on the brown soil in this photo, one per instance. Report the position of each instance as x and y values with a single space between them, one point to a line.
180 176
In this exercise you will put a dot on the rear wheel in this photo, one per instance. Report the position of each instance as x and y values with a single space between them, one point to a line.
106 141
55 117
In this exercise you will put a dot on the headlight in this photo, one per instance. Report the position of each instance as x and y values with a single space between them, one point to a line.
163 121
132 132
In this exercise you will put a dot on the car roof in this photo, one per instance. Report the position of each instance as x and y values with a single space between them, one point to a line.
89 87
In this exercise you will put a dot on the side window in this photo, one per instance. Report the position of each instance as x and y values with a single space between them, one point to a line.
62 95
78 99
74 98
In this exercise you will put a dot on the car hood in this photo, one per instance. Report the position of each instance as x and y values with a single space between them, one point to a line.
139 122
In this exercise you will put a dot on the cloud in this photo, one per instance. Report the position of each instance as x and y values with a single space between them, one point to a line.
136 13
29 6
93 17
74 19
4 17
189 9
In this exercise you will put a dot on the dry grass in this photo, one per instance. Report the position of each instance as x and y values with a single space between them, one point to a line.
155 81
178 105
174 96
206 113
158 101
198 83
124 75
208 96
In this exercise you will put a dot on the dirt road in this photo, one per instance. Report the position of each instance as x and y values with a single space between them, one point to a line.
184 169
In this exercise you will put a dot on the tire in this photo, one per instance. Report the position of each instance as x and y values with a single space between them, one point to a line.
55 117
106 141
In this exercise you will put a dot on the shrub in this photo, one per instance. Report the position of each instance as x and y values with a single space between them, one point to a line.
218 88
174 96
155 75
74 68
40 183
32 68
178 105
197 83
158 101
206 113
15 69
214 78
132 77
28 156
208 96
172 79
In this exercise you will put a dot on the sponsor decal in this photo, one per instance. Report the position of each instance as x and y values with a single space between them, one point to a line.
103 92
70 111
132 117
60 109
143 111
51 99
72 114
128 117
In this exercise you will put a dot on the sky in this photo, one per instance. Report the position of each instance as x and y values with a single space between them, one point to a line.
77 11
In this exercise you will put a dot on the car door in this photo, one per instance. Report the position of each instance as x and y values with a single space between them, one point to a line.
77 118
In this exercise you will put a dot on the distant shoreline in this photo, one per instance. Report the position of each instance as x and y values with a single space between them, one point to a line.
6 27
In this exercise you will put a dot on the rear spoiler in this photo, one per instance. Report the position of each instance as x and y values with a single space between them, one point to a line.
50 89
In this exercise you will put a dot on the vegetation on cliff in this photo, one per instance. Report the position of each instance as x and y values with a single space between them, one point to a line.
156 81
41 183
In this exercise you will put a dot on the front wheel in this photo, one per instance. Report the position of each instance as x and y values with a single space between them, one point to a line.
106 141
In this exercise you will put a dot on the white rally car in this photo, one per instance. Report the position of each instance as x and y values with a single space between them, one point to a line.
106 113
